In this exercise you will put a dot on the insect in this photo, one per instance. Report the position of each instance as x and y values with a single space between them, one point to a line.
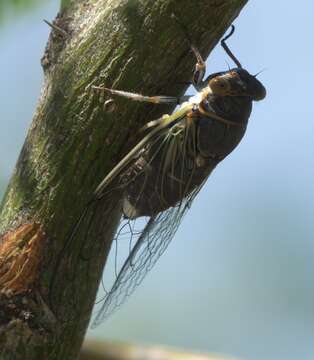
163 173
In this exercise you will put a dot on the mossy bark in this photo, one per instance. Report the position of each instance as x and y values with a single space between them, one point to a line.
72 144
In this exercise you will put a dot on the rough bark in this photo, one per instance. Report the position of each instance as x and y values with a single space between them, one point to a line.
71 145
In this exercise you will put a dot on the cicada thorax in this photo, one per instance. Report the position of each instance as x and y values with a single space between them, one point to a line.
177 162
218 138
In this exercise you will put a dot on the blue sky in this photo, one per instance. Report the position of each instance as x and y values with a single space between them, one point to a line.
238 277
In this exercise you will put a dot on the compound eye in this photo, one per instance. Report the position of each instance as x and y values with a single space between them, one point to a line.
219 86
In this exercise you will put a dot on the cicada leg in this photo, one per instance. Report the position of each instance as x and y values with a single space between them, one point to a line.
57 29
142 98
200 66
199 70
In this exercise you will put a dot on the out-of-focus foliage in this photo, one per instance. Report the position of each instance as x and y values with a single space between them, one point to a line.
11 8
101 350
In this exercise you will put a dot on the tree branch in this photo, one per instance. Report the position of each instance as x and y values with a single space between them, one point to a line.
71 145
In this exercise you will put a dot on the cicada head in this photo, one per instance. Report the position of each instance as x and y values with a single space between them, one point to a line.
237 81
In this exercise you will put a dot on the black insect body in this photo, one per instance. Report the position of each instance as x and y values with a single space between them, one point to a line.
161 176
181 159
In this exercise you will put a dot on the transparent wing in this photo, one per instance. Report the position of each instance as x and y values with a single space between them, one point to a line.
174 173
165 186
149 244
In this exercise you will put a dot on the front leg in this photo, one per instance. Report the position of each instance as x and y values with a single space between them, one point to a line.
151 99
200 66
200 69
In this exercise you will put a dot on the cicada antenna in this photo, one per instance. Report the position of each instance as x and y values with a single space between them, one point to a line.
226 48
259 72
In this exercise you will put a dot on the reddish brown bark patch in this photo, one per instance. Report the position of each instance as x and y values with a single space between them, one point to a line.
21 253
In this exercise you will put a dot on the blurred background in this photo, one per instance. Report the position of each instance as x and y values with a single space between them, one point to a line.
238 277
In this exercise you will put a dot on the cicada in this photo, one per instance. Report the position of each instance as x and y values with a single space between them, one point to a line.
164 172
